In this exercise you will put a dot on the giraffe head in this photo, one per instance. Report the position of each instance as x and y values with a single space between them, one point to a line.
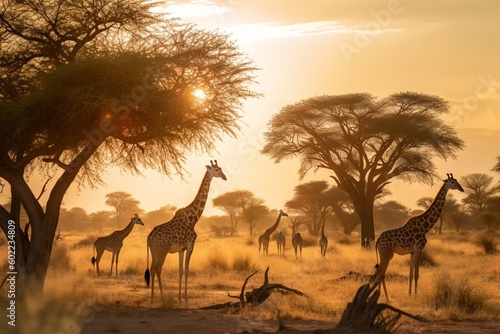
136 219
452 183
282 213
215 170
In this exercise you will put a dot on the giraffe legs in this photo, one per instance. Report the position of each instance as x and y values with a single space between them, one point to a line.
181 273
414 268
116 265
156 267
99 252
112 261
385 258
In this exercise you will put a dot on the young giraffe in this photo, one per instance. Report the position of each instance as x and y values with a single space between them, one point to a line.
410 238
323 242
264 238
113 243
281 243
297 243
178 235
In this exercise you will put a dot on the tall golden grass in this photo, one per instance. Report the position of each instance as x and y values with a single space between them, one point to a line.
461 283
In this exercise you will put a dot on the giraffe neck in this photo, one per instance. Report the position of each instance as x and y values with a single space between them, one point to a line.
323 230
432 214
126 231
198 204
275 226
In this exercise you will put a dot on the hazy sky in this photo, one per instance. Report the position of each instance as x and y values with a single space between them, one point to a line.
307 48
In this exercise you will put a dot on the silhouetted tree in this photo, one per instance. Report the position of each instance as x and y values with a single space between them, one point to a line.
252 210
87 85
390 214
478 188
364 142
124 205
496 168
313 200
231 204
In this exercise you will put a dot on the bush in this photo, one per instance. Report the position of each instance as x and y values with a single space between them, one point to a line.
217 262
488 243
60 259
243 263
449 293
88 241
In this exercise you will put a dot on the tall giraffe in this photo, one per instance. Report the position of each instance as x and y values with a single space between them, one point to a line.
297 243
264 238
178 235
281 243
113 243
323 241
410 238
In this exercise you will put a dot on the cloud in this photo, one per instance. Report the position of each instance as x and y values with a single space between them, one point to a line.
266 30
191 9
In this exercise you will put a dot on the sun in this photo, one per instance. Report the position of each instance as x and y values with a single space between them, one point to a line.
199 94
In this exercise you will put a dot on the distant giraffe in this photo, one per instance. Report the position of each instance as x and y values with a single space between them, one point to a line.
265 237
323 242
113 243
297 243
178 235
410 238
281 243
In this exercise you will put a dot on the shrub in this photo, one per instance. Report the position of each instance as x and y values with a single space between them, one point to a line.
60 259
243 263
488 243
450 293
217 261
88 241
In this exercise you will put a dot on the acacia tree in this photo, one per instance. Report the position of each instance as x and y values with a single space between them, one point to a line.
314 201
232 203
364 142
123 203
478 188
89 84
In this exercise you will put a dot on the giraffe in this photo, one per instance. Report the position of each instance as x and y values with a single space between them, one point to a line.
297 243
178 235
281 243
323 242
113 243
264 238
410 238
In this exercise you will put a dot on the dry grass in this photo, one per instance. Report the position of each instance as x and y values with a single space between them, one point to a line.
464 284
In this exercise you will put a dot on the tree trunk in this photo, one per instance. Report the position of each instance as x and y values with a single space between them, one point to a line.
365 213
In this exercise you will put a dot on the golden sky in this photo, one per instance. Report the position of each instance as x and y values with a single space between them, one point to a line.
306 48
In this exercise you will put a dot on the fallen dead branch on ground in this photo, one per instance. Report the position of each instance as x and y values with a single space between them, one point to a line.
256 296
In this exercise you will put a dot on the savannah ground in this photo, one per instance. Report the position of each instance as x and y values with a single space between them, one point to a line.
459 293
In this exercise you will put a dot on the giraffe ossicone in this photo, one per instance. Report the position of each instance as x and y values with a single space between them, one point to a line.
113 243
178 235
410 238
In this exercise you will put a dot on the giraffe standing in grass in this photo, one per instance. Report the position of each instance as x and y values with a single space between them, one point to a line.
113 243
264 238
410 238
281 243
323 242
178 235
297 243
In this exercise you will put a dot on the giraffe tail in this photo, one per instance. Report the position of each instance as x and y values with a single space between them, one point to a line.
147 274
93 256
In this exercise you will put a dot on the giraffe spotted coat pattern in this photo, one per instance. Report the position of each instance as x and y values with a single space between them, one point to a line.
410 238
178 236
113 243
